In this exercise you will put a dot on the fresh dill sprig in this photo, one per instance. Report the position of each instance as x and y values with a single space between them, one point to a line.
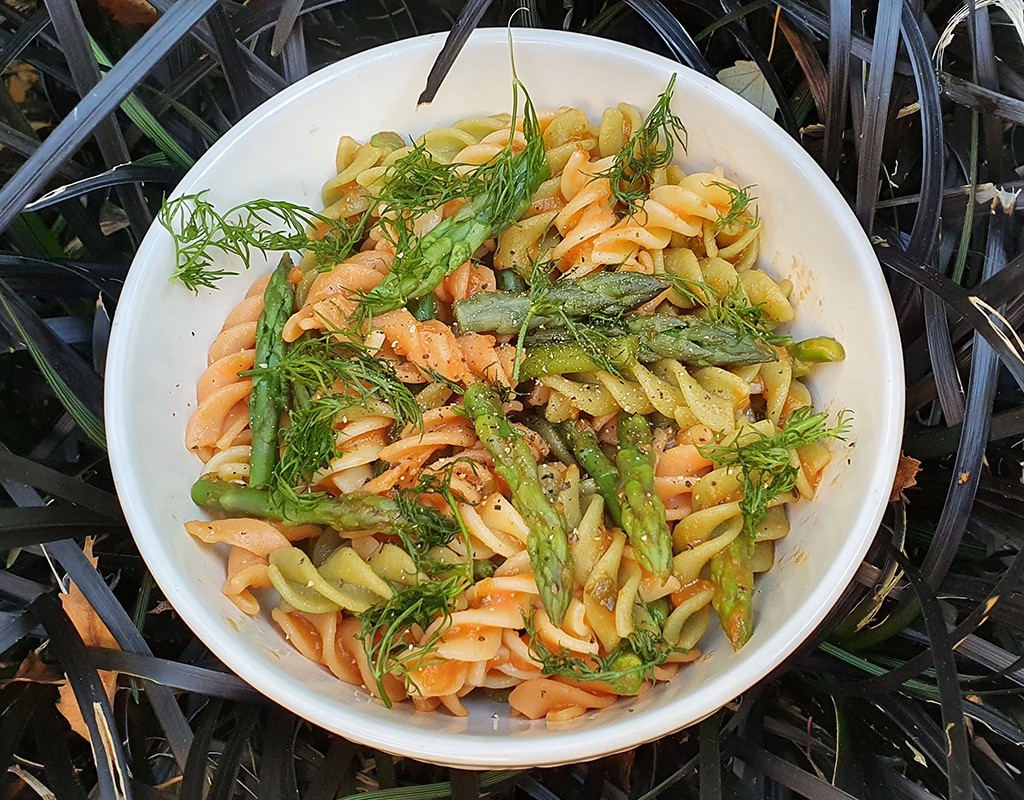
764 459
437 377
739 201
198 229
319 363
624 668
501 191
416 183
309 444
388 629
649 148
314 368
429 528
733 310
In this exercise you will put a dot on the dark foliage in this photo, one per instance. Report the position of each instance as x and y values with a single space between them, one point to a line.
912 689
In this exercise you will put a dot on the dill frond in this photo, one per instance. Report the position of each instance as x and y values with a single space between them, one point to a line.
416 183
649 148
199 230
733 310
630 663
387 629
764 459
740 200
319 363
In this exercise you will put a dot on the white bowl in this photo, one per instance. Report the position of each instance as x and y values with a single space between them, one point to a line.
285 150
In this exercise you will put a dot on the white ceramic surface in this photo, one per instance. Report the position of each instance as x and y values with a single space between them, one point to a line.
285 150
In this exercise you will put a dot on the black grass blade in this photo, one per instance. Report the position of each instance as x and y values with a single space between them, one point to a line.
244 94
806 784
74 41
285 23
293 58
57 484
958 760
840 36
924 234
185 677
52 742
193 777
223 785
72 380
22 38
277 770
115 176
326 782
672 33
710 770
106 605
977 417
959 302
465 24
876 109
978 97
69 135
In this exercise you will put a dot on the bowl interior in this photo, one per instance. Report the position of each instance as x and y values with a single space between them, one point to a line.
285 150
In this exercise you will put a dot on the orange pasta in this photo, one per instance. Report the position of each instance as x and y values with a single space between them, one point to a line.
397 452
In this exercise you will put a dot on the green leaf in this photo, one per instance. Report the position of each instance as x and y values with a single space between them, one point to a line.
746 79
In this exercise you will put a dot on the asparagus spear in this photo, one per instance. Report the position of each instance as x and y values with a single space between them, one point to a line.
643 514
551 435
354 511
697 342
548 542
608 294
818 350
557 359
267 399
421 269
588 453
734 588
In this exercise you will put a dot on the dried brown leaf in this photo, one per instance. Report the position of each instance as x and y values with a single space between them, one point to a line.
906 477
94 634
129 12
33 670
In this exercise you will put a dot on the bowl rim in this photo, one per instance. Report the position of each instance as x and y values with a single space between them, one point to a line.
555 747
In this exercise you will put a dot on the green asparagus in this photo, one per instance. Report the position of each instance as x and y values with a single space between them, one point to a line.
697 342
733 589
606 294
818 350
422 264
548 542
354 511
551 435
643 514
557 359
267 400
591 457
646 339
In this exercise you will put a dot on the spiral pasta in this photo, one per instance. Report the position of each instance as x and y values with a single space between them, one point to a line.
435 518
222 396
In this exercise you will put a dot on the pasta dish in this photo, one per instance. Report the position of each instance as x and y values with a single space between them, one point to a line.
520 417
